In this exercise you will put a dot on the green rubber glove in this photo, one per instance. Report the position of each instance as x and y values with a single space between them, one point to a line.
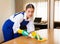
25 33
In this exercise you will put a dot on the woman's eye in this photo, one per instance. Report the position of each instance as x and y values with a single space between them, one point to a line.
28 11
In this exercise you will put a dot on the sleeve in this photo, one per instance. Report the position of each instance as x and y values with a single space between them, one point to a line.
17 20
30 26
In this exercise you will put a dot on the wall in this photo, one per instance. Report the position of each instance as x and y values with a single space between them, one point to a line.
6 9
18 5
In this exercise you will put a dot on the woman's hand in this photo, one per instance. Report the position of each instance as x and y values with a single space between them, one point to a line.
37 36
23 32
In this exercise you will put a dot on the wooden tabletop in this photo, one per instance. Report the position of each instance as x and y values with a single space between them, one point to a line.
24 40
45 33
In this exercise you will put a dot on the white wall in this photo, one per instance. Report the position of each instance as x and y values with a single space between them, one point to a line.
6 9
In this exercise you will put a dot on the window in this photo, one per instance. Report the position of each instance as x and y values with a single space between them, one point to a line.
57 11
42 10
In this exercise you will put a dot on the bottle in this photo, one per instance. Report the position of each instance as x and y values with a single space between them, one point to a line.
38 37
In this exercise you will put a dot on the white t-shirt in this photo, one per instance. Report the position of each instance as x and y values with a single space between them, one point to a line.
18 19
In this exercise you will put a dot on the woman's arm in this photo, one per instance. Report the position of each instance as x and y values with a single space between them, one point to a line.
17 20
30 27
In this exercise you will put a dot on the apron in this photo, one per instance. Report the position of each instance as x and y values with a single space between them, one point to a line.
8 30
22 26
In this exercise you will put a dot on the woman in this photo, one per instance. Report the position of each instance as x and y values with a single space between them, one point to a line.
19 22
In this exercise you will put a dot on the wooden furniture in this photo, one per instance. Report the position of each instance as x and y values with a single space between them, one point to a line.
44 25
41 25
24 40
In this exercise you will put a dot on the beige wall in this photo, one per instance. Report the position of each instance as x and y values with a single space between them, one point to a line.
6 9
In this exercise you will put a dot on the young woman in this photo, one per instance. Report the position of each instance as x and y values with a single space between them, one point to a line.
18 22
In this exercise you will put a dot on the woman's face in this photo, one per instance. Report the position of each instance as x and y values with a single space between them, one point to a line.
29 12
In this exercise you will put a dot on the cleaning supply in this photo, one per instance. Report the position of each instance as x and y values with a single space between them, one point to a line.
38 37
32 35
35 35
23 32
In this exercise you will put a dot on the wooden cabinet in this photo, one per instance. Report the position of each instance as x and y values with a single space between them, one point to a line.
18 5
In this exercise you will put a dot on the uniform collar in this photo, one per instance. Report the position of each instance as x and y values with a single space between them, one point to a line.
26 17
